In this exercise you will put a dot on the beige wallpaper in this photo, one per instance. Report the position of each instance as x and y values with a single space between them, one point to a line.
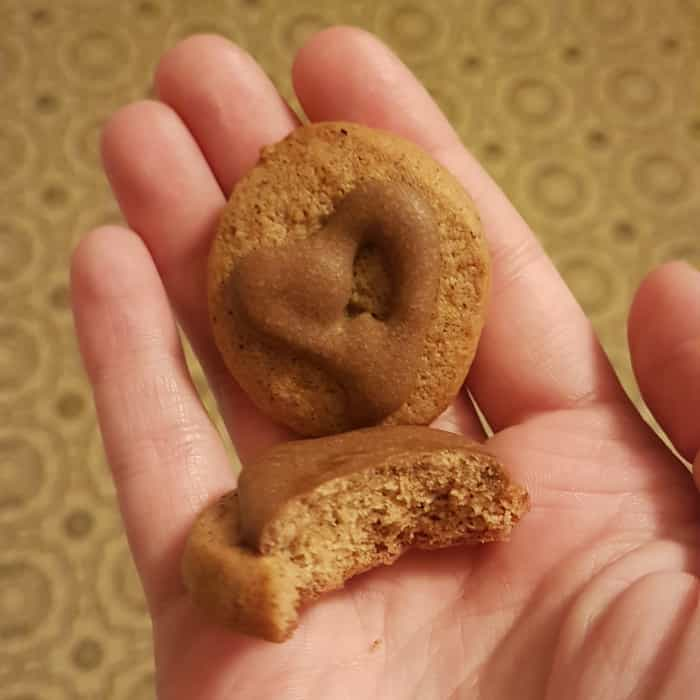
587 112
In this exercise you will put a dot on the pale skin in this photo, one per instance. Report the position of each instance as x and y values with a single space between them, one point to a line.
595 597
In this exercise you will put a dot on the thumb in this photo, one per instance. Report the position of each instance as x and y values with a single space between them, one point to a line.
664 338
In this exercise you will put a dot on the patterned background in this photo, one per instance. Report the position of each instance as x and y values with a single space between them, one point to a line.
586 111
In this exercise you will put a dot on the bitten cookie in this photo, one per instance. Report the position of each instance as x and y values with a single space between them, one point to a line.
311 514
348 281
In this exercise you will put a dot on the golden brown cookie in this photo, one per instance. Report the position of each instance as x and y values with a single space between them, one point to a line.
348 281
310 514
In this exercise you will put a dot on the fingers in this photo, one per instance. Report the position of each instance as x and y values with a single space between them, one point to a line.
664 338
166 457
171 197
227 102
538 351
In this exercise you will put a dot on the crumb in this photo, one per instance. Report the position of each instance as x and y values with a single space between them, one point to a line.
375 645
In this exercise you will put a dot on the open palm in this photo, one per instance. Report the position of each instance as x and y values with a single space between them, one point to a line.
595 597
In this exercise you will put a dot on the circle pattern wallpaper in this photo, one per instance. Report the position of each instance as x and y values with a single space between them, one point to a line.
587 112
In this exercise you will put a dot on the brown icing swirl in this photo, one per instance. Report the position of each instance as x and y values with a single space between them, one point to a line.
298 295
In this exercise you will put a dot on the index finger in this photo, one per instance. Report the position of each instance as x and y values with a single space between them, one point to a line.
538 351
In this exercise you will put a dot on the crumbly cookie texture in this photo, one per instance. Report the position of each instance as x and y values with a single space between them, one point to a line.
286 202
311 514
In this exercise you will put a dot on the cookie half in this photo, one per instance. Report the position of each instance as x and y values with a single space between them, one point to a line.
311 514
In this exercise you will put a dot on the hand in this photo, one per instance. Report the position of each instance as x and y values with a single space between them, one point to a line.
595 597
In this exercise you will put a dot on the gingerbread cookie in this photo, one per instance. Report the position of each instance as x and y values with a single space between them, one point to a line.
310 514
348 281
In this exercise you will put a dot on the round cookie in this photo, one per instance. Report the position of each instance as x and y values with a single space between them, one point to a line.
270 241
